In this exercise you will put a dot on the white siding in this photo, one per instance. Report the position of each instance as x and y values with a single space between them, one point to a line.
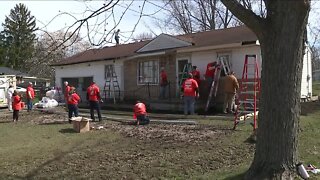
237 55
92 69
201 59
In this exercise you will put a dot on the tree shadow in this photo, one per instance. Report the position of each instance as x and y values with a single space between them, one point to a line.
54 123
4 122
309 107
236 177
67 130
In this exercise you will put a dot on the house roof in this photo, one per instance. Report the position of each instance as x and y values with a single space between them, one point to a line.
240 34
106 53
9 71
163 42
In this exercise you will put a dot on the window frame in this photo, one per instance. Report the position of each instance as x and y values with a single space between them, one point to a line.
156 74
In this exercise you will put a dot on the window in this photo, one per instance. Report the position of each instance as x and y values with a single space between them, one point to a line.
108 71
148 72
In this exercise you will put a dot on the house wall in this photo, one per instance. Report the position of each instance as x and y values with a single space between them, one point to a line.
133 90
92 69
202 58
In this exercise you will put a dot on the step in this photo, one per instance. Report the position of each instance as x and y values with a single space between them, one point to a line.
249 92
249 83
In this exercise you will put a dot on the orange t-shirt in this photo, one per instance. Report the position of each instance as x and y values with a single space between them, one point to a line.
16 103
93 92
189 87
73 99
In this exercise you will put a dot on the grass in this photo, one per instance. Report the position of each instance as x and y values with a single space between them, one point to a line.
316 88
30 151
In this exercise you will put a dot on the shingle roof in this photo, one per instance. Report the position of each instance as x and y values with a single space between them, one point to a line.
107 53
219 37
9 71
208 38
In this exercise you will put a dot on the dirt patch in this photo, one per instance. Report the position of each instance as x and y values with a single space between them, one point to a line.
170 133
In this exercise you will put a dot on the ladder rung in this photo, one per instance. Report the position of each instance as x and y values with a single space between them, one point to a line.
249 83
246 101
249 92
246 112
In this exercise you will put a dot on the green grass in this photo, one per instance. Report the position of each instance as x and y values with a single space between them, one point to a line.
316 88
30 151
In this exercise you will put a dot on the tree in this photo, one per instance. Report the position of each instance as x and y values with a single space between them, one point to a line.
281 35
19 28
51 48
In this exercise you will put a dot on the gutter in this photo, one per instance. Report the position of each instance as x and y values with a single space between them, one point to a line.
216 47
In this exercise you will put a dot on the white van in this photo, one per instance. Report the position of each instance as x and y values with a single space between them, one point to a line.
5 81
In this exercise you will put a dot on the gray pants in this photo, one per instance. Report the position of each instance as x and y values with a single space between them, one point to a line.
189 102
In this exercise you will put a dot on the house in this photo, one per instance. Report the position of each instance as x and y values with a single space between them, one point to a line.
137 65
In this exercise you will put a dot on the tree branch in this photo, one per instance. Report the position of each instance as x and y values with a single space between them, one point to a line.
248 17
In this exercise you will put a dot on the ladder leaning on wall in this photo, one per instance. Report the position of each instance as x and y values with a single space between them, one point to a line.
111 84
222 64
249 92
186 70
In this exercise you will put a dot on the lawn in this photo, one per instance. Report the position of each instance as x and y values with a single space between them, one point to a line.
211 150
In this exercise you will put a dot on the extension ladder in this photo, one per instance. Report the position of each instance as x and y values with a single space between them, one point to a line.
111 84
186 70
249 92
224 64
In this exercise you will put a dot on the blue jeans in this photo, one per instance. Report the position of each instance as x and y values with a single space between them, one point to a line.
29 104
73 109
94 105
189 102
163 90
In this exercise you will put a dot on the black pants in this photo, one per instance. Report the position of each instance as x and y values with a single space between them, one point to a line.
143 119
94 105
73 109
15 115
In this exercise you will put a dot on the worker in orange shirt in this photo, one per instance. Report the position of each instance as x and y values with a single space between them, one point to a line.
140 114
190 90
93 96
30 96
73 101
210 71
16 105
163 83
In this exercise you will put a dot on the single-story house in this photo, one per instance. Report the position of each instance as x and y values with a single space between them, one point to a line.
138 64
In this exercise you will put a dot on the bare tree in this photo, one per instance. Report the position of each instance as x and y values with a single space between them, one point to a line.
52 47
281 35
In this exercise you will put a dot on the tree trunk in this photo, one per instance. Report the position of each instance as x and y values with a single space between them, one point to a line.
281 38
282 54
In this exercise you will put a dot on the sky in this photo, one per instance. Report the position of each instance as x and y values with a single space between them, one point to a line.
57 15
46 14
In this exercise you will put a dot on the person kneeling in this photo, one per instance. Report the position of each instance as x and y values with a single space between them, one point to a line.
140 114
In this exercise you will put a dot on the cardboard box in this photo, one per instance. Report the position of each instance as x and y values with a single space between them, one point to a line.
81 124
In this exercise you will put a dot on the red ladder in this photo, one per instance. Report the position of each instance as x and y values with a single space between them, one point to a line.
249 92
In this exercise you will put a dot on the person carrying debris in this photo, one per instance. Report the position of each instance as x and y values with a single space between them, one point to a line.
140 114
73 101
16 105
190 90
9 97
30 96
231 86
93 96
